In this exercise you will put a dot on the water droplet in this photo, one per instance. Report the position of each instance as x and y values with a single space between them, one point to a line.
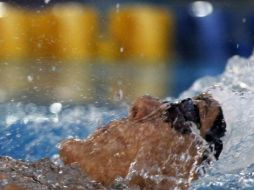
121 49
53 68
244 20
117 7
119 95
55 107
29 78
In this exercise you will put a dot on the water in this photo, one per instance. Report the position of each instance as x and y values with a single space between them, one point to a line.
234 89
32 132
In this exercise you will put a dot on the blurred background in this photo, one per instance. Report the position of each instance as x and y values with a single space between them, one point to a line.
95 51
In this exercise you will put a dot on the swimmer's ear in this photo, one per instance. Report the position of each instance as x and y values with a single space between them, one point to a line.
210 116
143 106
212 123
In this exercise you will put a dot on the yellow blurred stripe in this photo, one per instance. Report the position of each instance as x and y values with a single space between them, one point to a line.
77 30
13 32
107 50
42 33
142 32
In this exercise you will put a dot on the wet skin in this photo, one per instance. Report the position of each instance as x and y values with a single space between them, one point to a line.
155 147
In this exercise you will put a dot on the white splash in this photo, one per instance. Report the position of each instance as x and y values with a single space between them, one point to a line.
234 89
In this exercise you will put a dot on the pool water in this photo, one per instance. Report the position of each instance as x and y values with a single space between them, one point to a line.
31 132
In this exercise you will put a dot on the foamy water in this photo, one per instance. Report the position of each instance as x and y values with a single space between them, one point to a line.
32 132
234 89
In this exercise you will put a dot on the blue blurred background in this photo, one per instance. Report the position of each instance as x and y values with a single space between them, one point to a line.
106 51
